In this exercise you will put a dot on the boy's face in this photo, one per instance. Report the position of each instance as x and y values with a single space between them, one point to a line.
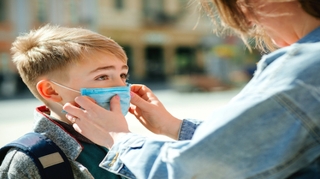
102 70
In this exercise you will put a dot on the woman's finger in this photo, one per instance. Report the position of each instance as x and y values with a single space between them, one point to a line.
143 92
85 103
138 101
72 111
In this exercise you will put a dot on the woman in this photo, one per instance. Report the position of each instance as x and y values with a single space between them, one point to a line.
271 129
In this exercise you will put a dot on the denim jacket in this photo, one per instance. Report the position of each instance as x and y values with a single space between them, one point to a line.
270 130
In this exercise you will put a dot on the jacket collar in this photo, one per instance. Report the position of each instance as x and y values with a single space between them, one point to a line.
53 130
313 36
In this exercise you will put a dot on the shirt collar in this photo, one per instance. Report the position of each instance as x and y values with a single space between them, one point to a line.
312 37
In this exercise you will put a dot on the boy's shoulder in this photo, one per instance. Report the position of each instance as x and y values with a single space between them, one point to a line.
34 155
17 164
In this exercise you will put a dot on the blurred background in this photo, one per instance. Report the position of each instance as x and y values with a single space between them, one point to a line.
169 43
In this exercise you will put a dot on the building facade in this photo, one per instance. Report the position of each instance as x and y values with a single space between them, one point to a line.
162 38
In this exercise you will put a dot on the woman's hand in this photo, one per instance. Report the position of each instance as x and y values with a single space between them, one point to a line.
96 123
151 113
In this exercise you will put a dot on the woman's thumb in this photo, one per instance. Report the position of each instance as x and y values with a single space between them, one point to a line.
115 103
138 101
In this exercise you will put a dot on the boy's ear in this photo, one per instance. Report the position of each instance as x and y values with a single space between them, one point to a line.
47 91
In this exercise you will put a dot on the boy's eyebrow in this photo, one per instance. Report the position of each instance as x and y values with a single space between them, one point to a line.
108 67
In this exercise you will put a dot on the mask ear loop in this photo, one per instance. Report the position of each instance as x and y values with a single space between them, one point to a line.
65 87
63 111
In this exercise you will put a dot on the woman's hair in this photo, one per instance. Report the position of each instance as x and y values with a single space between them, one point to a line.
50 50
227 15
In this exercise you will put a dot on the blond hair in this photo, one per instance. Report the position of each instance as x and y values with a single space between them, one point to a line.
227 16
50 50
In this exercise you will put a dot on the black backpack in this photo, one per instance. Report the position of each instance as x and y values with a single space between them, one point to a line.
47 156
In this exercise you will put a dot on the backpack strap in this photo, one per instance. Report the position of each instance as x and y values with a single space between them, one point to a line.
47 156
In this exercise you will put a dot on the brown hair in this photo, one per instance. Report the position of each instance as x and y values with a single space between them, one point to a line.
50 50
227 15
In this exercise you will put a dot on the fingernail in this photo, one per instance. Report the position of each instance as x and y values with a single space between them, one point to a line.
117 97
131 93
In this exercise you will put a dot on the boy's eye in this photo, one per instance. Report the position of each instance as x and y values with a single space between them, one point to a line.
124 76
103 77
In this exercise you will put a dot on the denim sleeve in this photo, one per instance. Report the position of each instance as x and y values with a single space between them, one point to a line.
187 129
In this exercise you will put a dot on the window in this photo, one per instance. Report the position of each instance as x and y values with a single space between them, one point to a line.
186 61
155 13
153 6
2 10
42 15
154 63
119 4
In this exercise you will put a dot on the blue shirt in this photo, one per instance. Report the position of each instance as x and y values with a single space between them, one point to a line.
271 129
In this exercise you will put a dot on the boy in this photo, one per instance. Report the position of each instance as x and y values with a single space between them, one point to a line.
56 63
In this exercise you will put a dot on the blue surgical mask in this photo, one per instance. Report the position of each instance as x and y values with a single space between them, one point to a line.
102 96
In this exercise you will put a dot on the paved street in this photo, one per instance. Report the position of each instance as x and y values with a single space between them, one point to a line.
17 115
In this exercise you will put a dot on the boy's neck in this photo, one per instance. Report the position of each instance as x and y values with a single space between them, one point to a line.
60 117
56 112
